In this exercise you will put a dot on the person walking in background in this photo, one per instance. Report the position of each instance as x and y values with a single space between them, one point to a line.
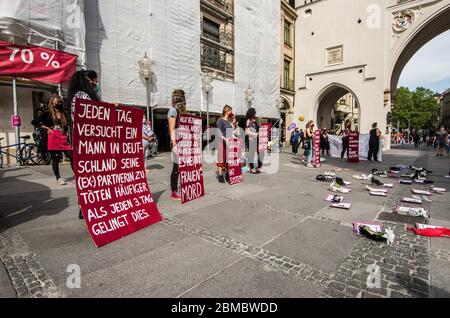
147 137
226 130
346 139
325 142
441 141
308 143
374 143
295 141
416 140
252 141
178 108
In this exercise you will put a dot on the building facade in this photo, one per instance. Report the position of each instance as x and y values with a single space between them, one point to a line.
287 71
360 48
235 42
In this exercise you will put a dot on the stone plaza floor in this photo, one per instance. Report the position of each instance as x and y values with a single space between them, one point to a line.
271 236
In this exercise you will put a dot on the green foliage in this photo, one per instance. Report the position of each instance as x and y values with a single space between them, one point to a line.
418 107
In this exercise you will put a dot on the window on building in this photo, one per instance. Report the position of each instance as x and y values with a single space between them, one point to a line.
287 74
287 32
217 40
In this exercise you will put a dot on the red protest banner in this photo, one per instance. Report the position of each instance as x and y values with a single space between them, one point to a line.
36 63
264 136
234 160
353 147
316 149
190 158
112 187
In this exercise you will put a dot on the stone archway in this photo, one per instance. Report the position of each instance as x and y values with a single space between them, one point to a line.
336 105
434 25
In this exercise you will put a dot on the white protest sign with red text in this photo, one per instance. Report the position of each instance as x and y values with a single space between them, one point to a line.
112 186
190 158
234 160
36 63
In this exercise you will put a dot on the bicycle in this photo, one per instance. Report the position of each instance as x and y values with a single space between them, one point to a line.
28 153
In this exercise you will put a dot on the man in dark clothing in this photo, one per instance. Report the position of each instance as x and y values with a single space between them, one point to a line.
295 141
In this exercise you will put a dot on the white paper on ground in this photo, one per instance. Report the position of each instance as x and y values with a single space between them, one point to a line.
378 194
412 200
421 192
345 206
372 226
376 190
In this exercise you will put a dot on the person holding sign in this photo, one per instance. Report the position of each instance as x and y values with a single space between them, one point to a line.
226 129
252 133
346 139
83 85
178 108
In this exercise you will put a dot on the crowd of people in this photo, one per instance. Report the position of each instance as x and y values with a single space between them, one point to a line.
439 139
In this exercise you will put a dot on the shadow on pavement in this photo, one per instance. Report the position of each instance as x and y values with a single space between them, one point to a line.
26 200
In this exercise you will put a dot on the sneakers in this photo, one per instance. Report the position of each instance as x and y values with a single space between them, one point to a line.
175 196
310 166
325 178
61 181
376 182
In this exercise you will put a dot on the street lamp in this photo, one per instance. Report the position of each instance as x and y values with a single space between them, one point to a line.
146 72
249 97
207 80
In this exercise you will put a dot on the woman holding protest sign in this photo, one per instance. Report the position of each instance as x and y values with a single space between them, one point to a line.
226 129
346 139
178 108
83 85
252 134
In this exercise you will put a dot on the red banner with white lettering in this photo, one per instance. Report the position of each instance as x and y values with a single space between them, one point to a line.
36 63
234 160
316 149
264 137
112 186
190 158
353 147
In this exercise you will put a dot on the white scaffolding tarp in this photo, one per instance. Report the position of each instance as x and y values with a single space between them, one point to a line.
120 32
50 23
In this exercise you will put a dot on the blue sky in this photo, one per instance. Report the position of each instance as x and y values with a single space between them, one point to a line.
430 67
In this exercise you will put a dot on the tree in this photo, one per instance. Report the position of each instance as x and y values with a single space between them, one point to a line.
417 108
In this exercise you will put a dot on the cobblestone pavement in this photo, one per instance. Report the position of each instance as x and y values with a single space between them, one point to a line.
278 222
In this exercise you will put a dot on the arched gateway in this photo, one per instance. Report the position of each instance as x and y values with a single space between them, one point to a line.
359 47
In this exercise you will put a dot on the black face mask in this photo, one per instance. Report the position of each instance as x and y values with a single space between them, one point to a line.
59 107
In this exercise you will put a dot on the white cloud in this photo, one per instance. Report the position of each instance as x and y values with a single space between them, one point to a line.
430 65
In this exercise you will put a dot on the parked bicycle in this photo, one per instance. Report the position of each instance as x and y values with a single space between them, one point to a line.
28 153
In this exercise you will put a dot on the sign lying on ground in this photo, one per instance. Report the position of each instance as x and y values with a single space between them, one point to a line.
190 158
234 160
112 187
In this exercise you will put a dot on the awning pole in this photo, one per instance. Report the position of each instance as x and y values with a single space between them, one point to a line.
16 113
59 85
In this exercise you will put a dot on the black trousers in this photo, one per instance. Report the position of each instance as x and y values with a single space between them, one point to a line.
174 178
374 149
345 146
295 147
57 156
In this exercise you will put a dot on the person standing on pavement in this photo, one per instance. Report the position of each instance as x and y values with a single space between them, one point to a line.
225 129
416 140
147 137
83 85
325 142
179 107
374 142
441 141
295 141
252 139
346 139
